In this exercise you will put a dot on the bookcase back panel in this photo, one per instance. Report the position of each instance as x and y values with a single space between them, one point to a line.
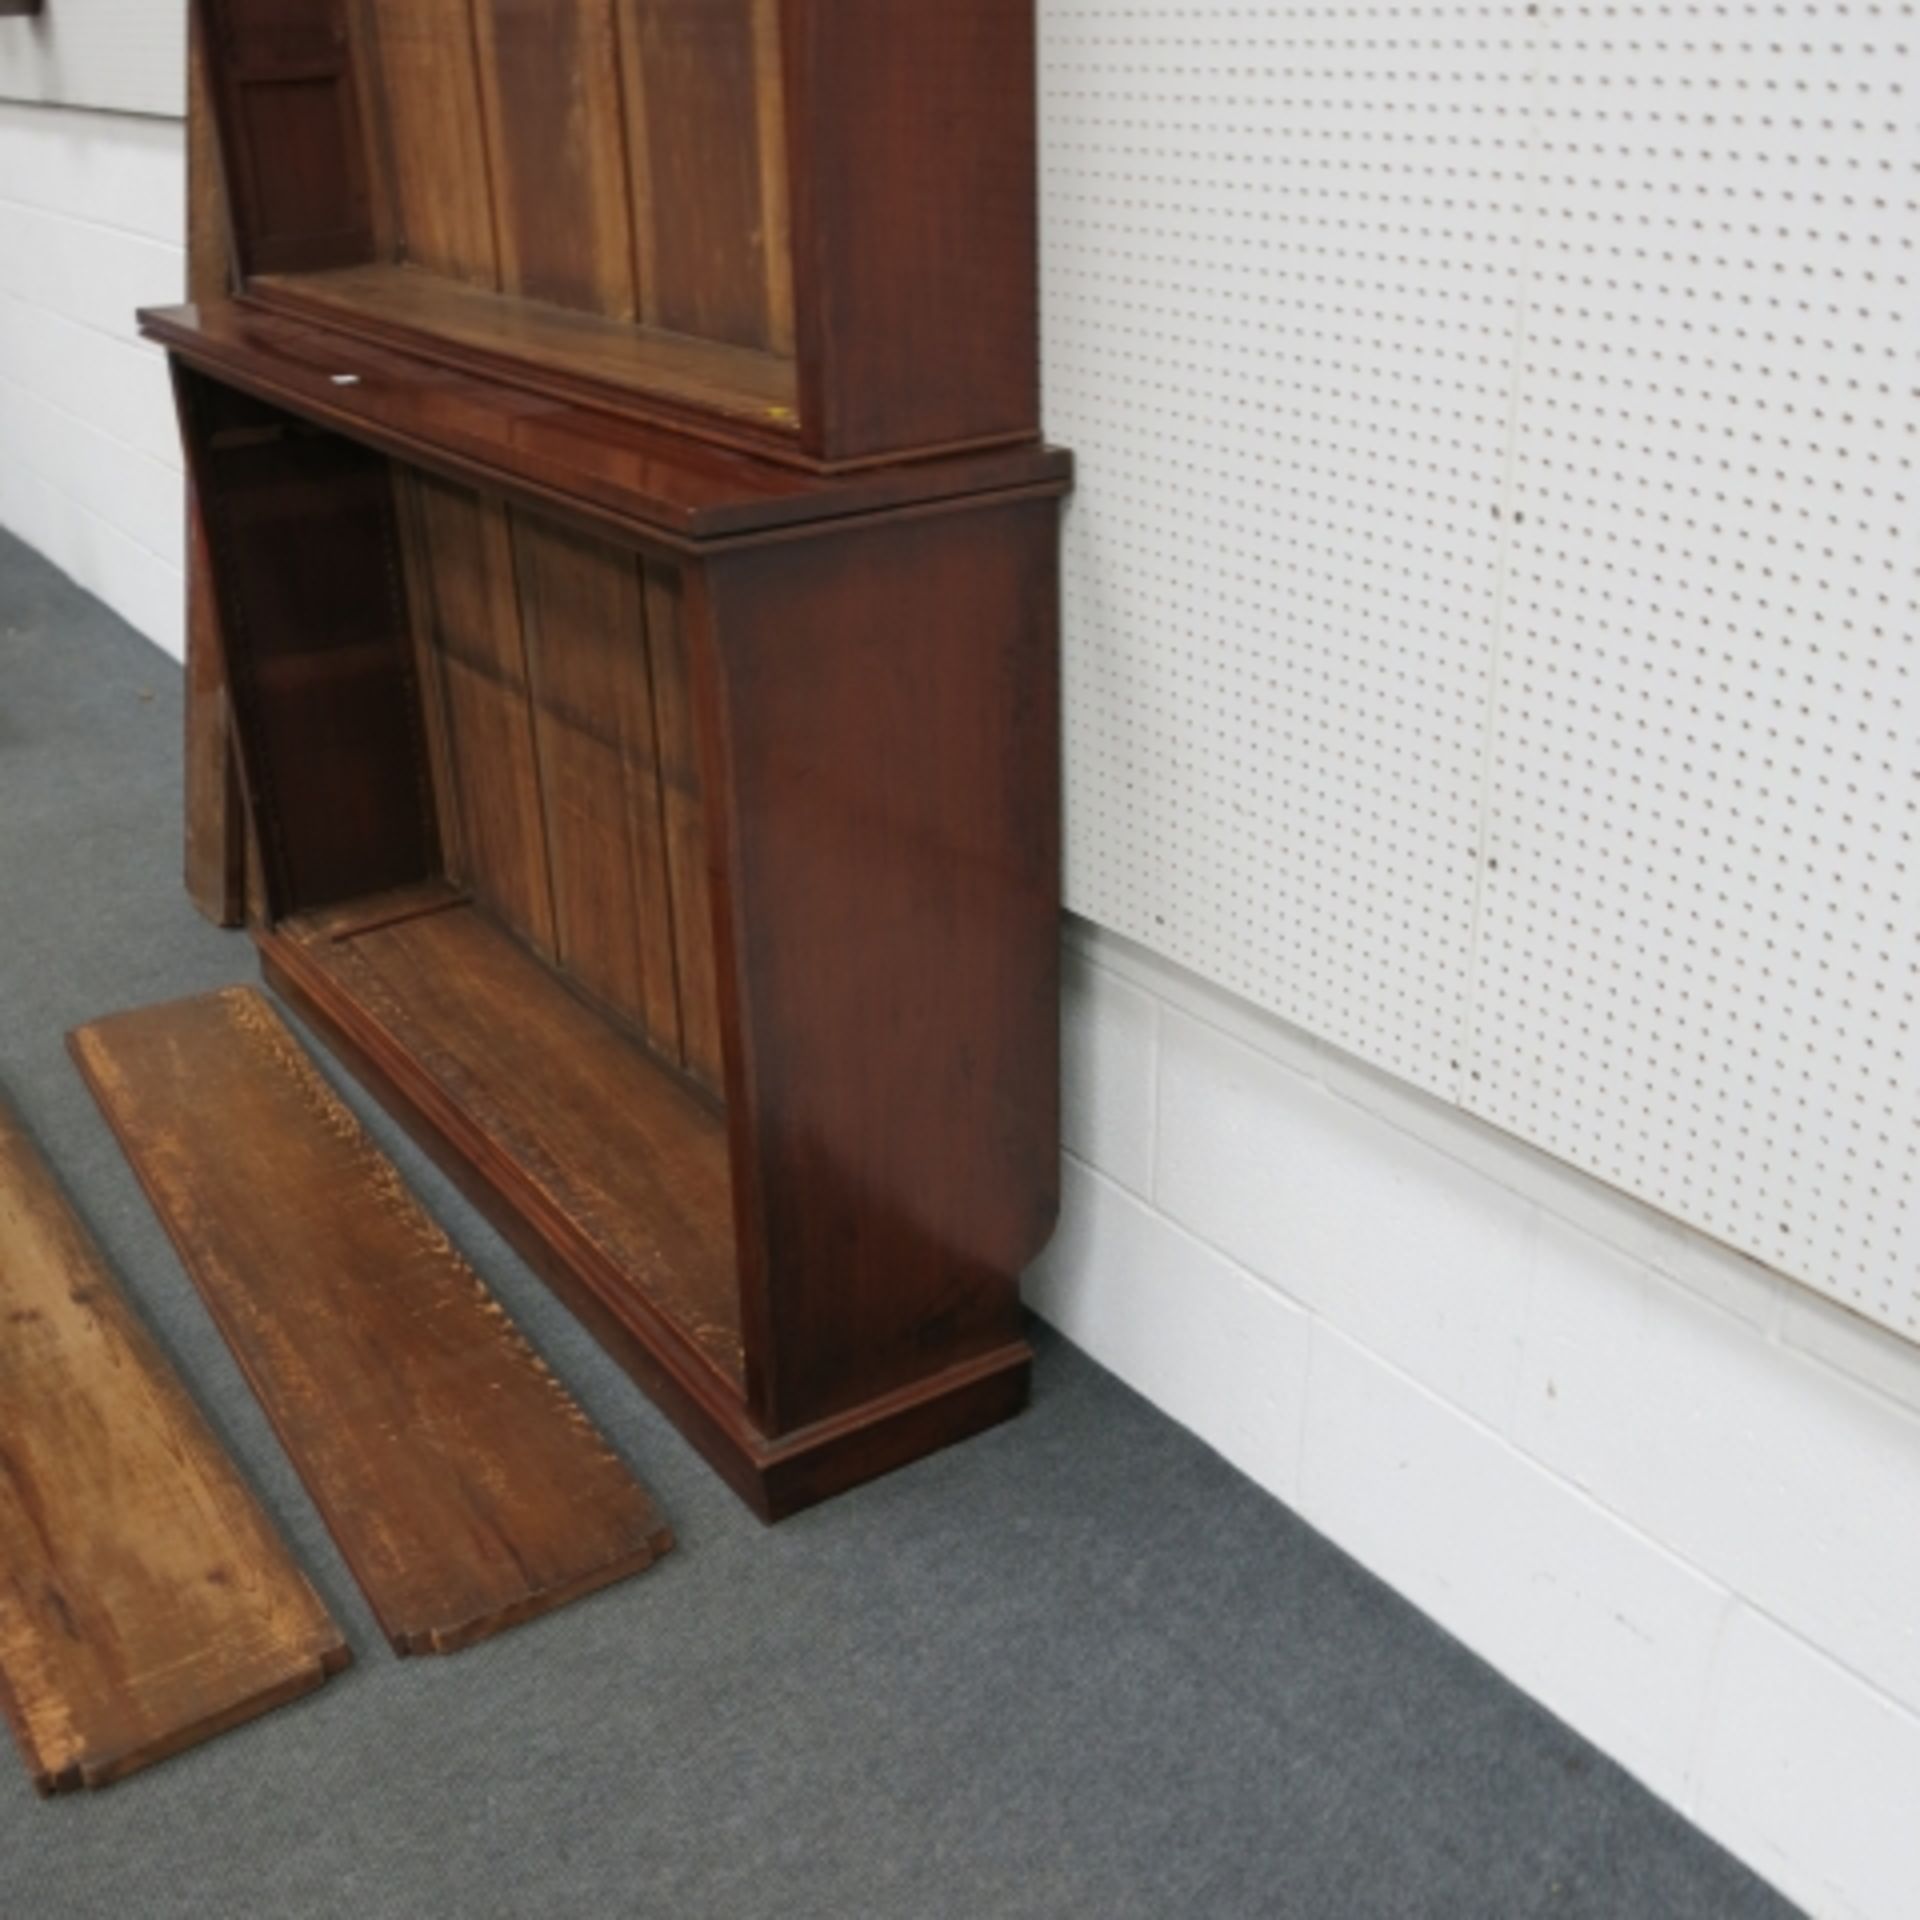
559 703
472 666
420 79
549 79
706 128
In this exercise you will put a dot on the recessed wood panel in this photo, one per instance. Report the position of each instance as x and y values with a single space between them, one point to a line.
706 141
428 145
299 194
560 716
592 692
293 137
306 555
280 35
464 552
549 77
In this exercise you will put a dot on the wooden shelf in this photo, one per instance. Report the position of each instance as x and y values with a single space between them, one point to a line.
536 343
466 1489
600 1137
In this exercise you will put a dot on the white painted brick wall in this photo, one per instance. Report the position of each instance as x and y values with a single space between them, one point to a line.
1216 1347
1669 1496
92 220
124 56
1261 1161
1594 1619
1809 1774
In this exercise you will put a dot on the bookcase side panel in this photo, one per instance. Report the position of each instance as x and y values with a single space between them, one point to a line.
916 226
889 712
287 102
305 563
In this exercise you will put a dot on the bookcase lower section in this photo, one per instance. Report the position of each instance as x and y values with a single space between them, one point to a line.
695 901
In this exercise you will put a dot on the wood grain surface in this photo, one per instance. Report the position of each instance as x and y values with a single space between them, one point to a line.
215 866
709 177
465 1488
146 1602
584 626
604 1140
316 632
512 335
661 490
674 848
808 226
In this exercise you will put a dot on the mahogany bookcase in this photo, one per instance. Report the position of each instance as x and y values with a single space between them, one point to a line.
635 564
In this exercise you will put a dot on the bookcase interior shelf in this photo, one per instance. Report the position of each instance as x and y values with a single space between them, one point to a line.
604 1133
541 342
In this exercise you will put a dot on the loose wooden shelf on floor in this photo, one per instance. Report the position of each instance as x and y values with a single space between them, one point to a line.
464 1486
146 1601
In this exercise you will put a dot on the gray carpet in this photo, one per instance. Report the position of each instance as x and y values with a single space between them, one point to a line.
1078 1667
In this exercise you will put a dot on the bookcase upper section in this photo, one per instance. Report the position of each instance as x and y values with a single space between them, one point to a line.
806 227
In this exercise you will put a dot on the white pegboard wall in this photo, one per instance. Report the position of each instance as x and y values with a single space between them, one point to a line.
1702 910
1491 595
1282 259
